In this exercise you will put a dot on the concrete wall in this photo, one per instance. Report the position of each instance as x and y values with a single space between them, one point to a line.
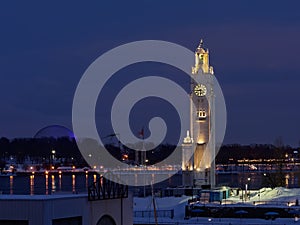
41 209
115 208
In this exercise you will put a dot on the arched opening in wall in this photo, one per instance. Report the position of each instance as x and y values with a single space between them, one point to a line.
106 220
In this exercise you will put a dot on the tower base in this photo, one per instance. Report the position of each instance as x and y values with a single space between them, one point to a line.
188 178
198 179
201 178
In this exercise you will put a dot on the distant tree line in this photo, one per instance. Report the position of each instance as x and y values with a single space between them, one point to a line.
277 156
233 153
40 149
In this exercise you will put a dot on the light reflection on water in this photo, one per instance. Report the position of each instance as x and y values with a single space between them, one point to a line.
86 181
59 181
31 184
53 187
46 183
79 183
73 183
255 180
11 184
54 183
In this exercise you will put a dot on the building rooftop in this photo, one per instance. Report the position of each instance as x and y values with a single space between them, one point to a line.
42 197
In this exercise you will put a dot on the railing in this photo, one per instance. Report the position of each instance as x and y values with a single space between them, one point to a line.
159 213
105 189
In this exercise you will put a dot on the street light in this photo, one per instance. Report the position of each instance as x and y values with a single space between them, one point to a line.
53 155
249 184
246 188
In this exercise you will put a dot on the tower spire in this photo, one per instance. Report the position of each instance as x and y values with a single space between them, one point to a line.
202 60
200 44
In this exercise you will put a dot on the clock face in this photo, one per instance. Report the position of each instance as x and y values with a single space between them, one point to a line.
200 90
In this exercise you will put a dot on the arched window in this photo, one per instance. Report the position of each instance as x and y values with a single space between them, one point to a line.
106 220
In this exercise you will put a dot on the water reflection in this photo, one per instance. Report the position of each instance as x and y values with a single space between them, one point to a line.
73 183
46 184
31 184
11 184
59 181
53 186
86 181
79 182
257 180
43 183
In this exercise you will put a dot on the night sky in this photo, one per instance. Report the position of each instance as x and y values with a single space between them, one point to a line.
254 48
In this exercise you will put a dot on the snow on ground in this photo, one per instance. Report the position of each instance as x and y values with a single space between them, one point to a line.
166 203
225 221
278 194
178 204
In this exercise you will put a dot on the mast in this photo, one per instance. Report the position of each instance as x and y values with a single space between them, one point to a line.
154 205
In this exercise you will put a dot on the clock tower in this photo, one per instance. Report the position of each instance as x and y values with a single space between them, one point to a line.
198 167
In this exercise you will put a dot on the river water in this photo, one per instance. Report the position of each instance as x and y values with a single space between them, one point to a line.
79 182
46 184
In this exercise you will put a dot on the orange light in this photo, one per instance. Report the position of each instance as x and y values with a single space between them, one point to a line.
46 172
59 172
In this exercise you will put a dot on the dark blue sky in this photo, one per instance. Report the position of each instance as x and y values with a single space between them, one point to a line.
254 46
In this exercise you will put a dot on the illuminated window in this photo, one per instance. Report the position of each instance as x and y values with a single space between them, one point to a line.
201 114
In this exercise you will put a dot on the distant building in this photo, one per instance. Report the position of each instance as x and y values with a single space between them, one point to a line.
214 195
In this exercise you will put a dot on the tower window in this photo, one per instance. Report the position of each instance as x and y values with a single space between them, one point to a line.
201 114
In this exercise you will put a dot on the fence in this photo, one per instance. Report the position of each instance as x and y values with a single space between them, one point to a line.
159 213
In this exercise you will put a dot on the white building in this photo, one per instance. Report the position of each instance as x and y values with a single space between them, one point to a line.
68 209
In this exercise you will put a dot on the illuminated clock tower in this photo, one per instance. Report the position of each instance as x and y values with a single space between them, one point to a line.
198 166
